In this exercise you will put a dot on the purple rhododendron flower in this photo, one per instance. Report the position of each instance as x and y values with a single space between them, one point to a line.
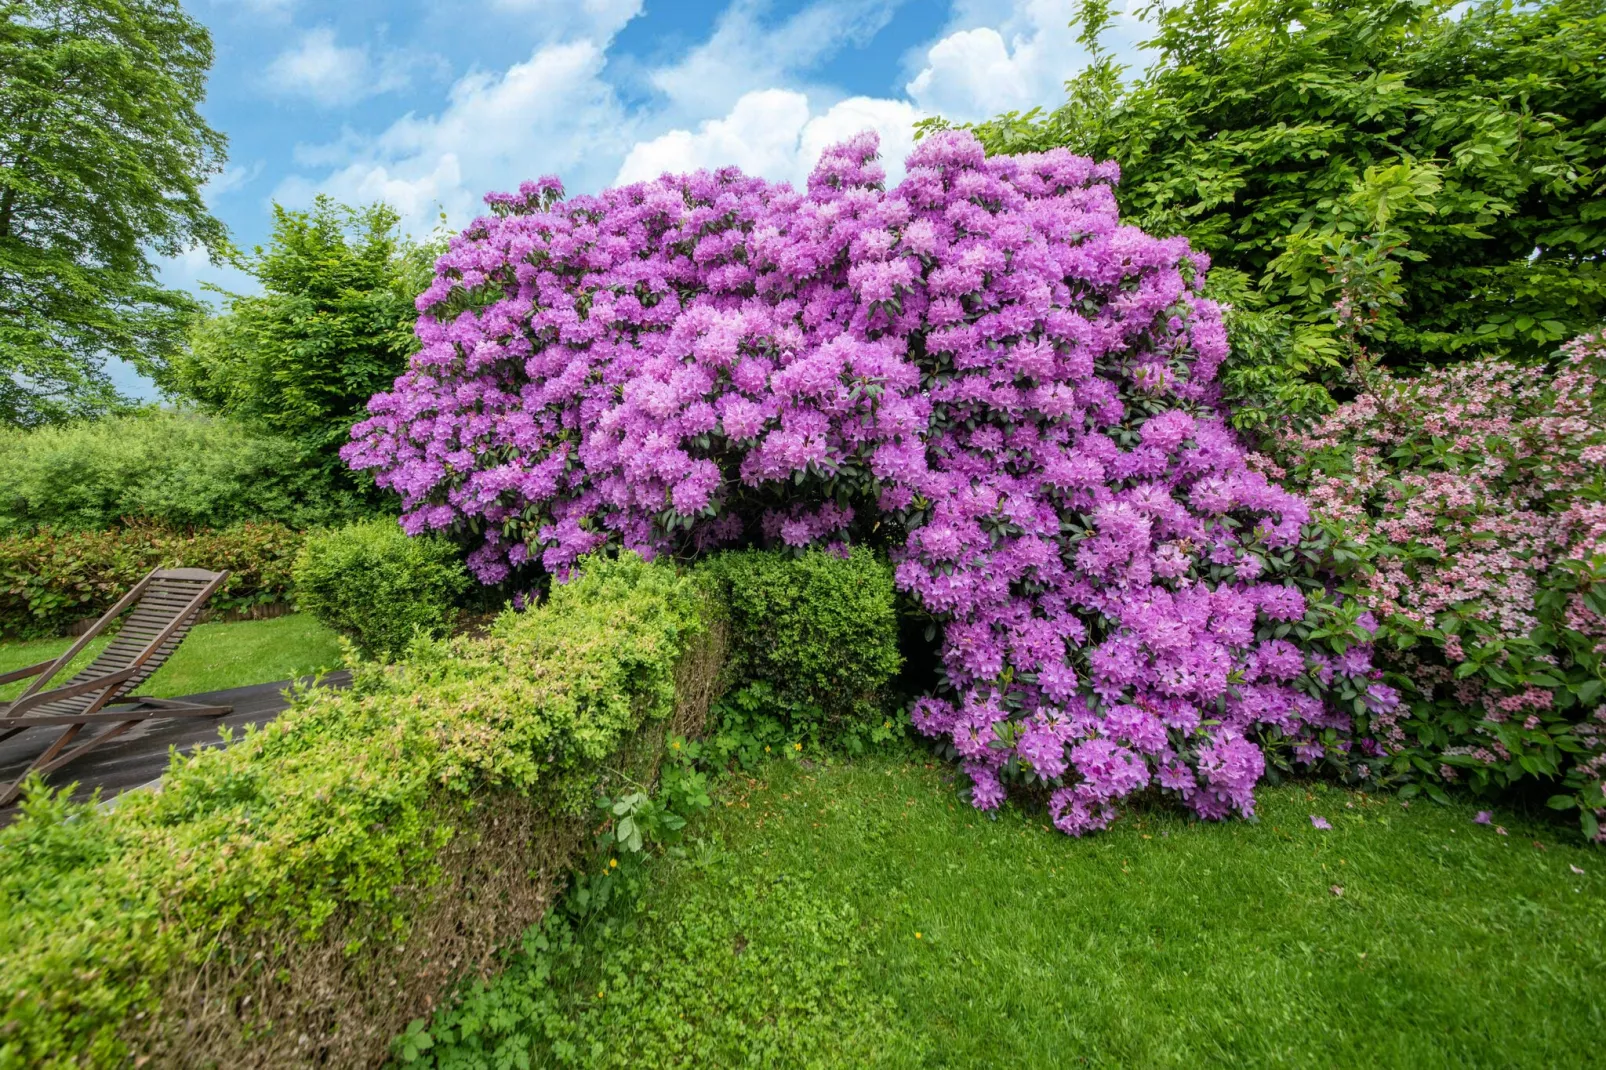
986 793
982 369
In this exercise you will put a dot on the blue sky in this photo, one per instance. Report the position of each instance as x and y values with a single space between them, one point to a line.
429 105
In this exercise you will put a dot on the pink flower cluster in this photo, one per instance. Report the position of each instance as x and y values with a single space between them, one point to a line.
981 365
1479 494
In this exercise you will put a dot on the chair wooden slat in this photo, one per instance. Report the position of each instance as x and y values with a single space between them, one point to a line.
164 607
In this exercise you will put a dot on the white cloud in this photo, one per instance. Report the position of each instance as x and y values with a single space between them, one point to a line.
776 134
972 74
743 55
986 64
993 57
230 179
332 74
193 270
550 114
595 18
740 97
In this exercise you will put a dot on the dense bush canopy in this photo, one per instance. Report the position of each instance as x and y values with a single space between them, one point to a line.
1433 168
817 628
372 583
151 466
981 366
1477 494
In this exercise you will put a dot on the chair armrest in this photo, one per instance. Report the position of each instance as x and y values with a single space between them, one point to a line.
99 683
23 674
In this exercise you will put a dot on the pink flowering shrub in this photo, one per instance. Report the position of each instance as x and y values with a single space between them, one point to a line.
981 369
1477 494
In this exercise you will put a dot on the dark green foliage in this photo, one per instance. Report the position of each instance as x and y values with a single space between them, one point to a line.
820 630
1436 174
372 582
332 327
337 810
103 152
181 470
49 580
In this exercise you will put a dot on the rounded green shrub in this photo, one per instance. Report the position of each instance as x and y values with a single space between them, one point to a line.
819 629
372 582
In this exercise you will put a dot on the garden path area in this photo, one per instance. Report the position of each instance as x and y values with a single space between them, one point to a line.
140 755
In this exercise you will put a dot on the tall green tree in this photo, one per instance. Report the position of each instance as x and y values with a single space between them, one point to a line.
1421 179
332 326
103 153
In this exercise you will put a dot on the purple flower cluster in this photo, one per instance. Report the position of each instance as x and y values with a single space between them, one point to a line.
983 361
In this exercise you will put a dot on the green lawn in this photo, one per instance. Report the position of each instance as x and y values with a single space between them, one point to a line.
864 915
211 658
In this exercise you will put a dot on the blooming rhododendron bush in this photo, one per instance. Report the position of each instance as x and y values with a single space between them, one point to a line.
1478 493
981 369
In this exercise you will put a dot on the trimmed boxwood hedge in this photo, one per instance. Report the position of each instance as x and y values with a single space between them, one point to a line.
818 627
311 867
371 582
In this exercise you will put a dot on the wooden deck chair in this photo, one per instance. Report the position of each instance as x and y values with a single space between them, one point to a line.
165 605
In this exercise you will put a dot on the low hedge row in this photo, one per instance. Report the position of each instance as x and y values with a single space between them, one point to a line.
288 898
51 580
298 897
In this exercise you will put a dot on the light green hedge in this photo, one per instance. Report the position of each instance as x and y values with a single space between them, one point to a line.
335 815
176 469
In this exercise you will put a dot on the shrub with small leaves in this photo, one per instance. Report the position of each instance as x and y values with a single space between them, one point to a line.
370 582
819 628
339 809
181 470
49 580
